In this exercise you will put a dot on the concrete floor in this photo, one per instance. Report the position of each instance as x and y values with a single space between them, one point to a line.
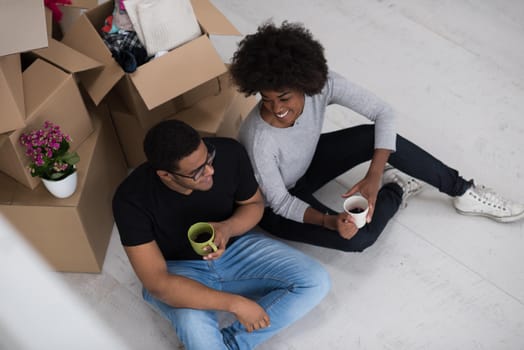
454 71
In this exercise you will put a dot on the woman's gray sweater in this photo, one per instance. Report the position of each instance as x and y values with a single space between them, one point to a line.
280 156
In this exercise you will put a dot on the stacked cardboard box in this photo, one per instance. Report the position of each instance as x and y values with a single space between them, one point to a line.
72 234
49 94
77 84
40 83
218 114
183 82
161 79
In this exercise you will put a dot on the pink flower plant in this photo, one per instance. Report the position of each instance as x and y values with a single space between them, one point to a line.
48 150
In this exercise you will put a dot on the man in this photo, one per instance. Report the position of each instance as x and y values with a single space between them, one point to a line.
264 283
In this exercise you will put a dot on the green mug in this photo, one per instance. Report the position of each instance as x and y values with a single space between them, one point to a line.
202 235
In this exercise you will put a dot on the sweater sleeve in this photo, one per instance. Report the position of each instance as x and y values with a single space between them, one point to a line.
364 102
266 166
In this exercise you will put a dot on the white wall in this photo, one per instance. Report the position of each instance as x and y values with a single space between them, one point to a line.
37 310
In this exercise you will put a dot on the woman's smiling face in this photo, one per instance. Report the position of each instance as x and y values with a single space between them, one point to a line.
282 108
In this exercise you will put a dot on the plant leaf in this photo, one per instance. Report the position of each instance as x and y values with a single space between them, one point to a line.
56 176
71 158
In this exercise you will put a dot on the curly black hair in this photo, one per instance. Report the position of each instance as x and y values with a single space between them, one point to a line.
275 58
168 142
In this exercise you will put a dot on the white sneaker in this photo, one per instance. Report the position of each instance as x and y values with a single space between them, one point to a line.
409 185
482 201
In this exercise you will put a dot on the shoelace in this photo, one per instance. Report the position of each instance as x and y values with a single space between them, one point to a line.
408 187
487 195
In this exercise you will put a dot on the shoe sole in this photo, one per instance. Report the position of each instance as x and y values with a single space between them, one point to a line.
506 219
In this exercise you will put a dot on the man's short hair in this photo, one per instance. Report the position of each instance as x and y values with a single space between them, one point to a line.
168 142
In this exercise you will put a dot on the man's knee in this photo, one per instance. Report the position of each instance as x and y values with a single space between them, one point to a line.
195 328
323 281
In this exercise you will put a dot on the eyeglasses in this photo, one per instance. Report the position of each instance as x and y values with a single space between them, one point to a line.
198 172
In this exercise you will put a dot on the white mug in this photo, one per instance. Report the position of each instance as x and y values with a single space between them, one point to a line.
357 206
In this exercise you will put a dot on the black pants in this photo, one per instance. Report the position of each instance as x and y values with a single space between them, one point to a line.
336 153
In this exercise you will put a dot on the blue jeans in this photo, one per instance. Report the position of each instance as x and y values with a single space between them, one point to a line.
338 152
284 281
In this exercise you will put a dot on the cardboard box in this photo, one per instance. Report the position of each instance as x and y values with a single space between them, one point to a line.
22 26
219 115
161 79
72 234
71 12
62 55
50 94
66 58
129 131
147 118
84 4
12 108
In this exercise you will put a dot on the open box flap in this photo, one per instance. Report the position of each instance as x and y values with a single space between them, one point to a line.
40 73
98 82
66 58
211 19
11 93
182 69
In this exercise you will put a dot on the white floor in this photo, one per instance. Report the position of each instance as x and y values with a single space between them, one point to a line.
454 71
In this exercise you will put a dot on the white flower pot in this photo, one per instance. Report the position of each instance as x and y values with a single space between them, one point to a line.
62 188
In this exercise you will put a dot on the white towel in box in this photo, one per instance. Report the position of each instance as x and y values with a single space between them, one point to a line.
167 24
132 11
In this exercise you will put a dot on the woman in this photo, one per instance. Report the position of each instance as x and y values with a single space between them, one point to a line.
292 159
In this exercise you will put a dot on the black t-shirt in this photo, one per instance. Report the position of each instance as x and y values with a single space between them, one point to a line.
146 210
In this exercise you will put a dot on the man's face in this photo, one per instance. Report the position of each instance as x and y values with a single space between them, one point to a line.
195 172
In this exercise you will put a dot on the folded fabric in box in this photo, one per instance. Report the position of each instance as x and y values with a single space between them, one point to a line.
162 25
132 11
